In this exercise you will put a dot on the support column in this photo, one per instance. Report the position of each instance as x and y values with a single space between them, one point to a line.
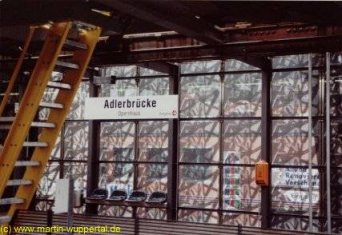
172 183
93 151
266 127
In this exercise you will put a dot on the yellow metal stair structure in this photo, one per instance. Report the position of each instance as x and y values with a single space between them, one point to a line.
24 120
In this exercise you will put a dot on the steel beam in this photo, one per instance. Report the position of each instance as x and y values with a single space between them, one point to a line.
266 126
184 24
93 152
172 188
229 50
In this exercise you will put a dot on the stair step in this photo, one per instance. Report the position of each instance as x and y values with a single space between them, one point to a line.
67 65
11 200
35 144
43 124
51 105
70 44
59 85
19 182
27 163
4 219
34 124
7 119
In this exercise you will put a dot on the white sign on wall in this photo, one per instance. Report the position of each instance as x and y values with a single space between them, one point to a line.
133 107
62 196
294 177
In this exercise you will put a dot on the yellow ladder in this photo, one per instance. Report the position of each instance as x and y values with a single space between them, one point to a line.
56 40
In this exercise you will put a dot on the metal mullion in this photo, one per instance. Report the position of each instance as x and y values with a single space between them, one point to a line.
219 210
132 162
310 141
293 118
218 118
296 215
266 141
215 164
297 166
93 151
328 166
173 143
142 77
299 69
221 73
221 143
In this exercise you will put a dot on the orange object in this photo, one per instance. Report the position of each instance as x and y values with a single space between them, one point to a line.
262 173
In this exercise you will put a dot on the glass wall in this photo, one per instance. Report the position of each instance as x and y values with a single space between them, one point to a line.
219 141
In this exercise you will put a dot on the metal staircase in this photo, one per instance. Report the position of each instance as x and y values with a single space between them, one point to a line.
81 46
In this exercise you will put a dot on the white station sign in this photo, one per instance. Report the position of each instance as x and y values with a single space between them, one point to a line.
132 107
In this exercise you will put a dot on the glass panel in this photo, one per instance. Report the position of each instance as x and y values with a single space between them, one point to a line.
78 172
289 93
119 71
336 92
77 107
293 223
155 86
56 151
152 178
336 191
336 143
290 190
242 141
239 189
199 186
116 176
237 65
336 58
76 141
296 61
209 66
116 211
117 141
198 216
336 226
152 213
153 141
242 95
148 72
43 205
47 185
290 142
119 89
200 96
199 141
241 219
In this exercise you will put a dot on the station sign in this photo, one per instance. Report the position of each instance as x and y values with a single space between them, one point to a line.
132 107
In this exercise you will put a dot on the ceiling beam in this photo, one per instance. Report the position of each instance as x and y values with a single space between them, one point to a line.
40 12
184 24
245 51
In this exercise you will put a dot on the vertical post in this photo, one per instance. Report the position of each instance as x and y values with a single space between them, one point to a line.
93 153
70 204
310 138
172 184
327 122
221 167
266 140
